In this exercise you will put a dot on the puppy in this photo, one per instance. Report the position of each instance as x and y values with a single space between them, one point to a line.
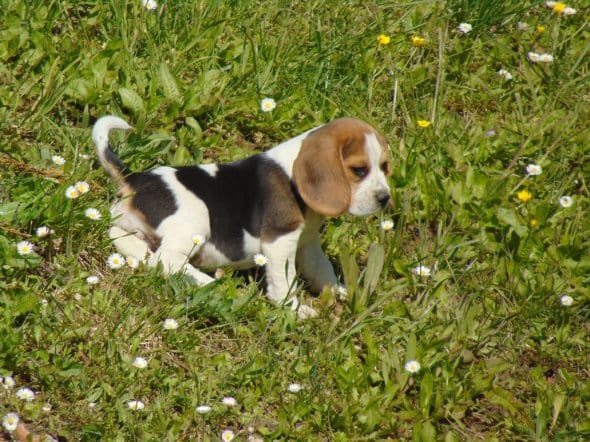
272 203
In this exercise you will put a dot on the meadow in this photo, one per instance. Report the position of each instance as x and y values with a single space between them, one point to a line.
469 300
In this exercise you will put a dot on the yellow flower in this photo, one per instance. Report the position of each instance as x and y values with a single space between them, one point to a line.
534 222
540 29
524 195
383 39
418 41
558 7
423 123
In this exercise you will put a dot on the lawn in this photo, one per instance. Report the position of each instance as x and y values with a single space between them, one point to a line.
468 315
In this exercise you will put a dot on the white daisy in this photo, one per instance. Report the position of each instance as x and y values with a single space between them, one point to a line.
545 58
140 362
464 28
198 240
533 56
260 260
26 394
115 261
568 11
219 273
566 300
227 435
46 407
77 296
294 387
387 224
534 170
566 201
58 160
93 214
412 366
91 405
44 302
72 193
10 422
505 74
82 187
135 405
550 4
7 382
203 409
149 4
267 104
92 280
132 262
229 401
170 324
24 248
522 26
43 231
421 270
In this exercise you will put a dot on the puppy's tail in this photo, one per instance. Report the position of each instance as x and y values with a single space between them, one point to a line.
100 135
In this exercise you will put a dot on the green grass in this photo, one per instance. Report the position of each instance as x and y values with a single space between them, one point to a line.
501 358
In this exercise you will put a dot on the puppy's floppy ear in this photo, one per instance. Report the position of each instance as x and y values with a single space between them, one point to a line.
319 175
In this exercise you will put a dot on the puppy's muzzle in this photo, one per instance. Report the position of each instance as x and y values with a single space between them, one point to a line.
382 197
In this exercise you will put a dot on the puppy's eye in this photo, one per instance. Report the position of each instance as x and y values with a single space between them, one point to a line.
360 172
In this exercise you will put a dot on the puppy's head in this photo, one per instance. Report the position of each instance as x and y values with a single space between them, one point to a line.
343 167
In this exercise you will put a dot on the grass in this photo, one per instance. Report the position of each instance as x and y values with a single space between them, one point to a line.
501 358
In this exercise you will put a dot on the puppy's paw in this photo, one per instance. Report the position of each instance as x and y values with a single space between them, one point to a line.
340 291
305 312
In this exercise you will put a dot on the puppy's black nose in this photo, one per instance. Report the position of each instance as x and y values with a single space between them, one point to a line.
383 198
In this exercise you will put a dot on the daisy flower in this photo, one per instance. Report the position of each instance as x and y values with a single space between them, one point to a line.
229 401
464 28
10 422
93 214
534 170
260 260
387 224
294 387
7 382
569 11
219 273
522 26
198 240
227 435
533 56
203 409
418 41
412 366
115 261
267 104
566 300
423 123
46 407
140 362
72 193
566 201
92 280
135 405
82 187
170 324
149 4
505 74
524 195
43 231
24 248
26 394
421 270
383 39
58 160
546 58
490 133
132 262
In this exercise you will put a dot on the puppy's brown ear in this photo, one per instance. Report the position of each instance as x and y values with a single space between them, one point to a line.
319 174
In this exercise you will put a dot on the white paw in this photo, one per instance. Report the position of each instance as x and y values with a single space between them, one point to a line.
341 292
305 312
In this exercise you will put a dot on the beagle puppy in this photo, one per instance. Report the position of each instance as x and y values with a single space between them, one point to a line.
272 203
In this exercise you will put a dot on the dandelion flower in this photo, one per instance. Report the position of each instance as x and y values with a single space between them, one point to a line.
383 39
524 195
566 201
418 41
43 231
132 262
203 409
566 300
93 214
58 160
267 104
115 261
534 170
7 382
229 401
82 187
198 240
505 74
24 248
387 224
135 405
260 260
92 280
534 222
10 421
557 7
421 270
294 387
540 29
219 273
149 4
170 324
412 366
227 435
140 362
464 28
569 11
423 123
522 26
26 394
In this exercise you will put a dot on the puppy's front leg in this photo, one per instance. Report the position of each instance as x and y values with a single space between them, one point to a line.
280 272
174 261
